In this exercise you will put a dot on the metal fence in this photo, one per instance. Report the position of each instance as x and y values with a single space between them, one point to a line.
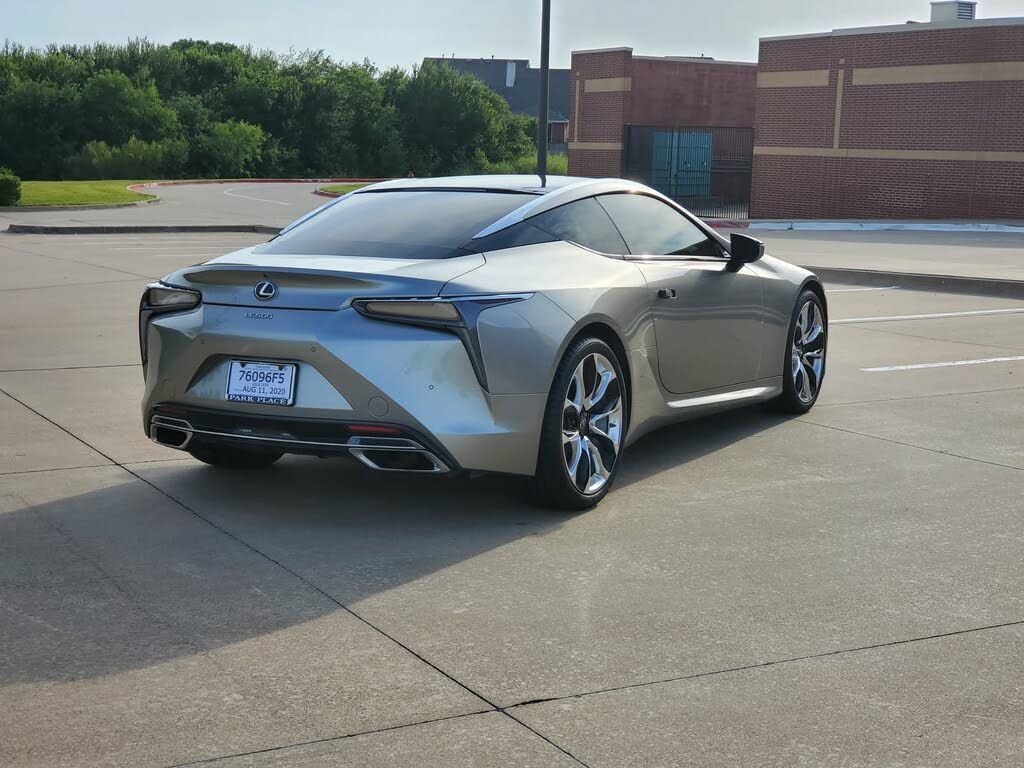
705 169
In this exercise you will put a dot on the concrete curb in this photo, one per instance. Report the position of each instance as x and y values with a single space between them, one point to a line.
119 229
979 286
54 208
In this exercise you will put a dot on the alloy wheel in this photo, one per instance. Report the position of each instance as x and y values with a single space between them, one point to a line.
808 351
592 423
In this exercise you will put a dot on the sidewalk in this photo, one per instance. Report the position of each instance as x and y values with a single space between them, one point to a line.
977 255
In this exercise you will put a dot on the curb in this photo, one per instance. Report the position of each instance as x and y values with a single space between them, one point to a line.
90 207
119 229
980 286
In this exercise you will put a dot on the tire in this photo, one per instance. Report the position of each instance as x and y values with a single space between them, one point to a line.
235 457
805 347
581 417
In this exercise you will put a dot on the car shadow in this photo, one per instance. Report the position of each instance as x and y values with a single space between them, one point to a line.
114 573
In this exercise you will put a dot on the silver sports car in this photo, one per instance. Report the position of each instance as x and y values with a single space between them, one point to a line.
477 323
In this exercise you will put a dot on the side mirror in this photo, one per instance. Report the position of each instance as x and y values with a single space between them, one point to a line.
744 249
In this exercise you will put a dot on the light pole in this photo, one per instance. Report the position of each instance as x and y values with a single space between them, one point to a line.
542 102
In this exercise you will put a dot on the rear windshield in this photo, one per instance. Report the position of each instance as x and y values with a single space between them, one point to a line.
397 225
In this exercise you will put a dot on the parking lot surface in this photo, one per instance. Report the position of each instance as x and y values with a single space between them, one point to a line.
841 588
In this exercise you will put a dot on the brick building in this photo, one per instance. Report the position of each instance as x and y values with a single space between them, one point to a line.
917 120
662 120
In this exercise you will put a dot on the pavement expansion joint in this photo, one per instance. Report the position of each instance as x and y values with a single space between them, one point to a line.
803 420
771 663
326 739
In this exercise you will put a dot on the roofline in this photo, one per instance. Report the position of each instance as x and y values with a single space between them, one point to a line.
561 196
1011 21
602 50
696 60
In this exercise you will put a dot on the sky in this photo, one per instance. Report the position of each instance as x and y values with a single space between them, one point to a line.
402 32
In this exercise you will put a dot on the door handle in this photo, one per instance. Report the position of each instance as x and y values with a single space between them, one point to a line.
666 293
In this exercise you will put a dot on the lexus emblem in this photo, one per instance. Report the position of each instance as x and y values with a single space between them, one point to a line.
265 290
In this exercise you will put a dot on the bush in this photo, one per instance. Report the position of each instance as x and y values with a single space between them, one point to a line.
10 187
135 160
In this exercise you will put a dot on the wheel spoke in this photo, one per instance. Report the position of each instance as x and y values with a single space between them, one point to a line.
816 340
803 320
811 377
604 378
572 462
813 334
598 472
581 476
574 397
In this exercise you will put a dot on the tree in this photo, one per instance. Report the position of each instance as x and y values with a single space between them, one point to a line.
114 110
38 127
230 149
452 119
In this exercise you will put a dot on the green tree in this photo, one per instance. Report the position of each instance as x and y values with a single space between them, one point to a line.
114 110
453 120
231 149
38 128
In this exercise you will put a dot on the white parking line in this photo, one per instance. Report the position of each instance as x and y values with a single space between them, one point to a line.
891 318
230 193
951 364
853 290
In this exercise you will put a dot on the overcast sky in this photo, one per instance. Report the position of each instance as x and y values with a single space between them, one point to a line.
402 32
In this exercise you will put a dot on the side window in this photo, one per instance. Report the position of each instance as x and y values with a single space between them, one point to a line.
583 222
652 228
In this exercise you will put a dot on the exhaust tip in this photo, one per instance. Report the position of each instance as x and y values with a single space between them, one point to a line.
400 460
173 438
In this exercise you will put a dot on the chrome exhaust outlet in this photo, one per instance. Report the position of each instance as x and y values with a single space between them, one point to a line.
173 433
395 455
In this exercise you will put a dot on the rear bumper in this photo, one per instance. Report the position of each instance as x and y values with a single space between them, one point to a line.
351 370
382 447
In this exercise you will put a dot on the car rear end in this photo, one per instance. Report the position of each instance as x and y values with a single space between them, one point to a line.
330 339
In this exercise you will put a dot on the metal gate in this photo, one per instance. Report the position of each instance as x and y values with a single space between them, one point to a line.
705 169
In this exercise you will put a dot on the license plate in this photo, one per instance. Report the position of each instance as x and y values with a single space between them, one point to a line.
261 383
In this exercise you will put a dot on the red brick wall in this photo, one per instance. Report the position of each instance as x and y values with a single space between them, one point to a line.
662 92
905 117
676 93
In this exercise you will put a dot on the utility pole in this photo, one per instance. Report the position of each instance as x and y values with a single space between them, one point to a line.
542 102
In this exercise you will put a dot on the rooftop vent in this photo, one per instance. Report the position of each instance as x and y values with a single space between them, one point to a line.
953 10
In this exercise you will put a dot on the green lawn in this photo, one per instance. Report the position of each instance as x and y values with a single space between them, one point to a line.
79 192
341 189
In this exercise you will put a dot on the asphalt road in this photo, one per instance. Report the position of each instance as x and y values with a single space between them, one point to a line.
843 588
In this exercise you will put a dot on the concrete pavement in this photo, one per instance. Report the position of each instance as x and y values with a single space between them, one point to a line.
992 255
840 588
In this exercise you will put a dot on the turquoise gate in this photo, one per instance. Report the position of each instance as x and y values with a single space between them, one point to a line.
706 169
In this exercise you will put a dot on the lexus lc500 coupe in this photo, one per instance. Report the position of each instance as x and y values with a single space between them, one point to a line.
492 323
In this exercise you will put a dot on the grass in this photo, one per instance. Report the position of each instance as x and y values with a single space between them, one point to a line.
79 192
558 165
341 189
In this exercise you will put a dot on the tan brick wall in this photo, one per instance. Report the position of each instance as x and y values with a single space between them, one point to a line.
908 147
